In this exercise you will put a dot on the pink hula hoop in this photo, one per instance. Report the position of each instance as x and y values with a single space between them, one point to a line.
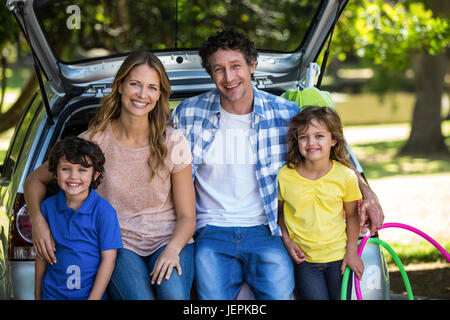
402 226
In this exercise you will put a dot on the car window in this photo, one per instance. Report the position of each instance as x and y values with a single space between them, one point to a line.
93 28
19 137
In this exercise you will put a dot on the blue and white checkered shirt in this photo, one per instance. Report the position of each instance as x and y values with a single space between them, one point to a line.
198 119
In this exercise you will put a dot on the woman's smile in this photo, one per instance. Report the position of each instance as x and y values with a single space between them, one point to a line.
140 91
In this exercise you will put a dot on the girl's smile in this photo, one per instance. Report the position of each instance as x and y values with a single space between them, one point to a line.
315 142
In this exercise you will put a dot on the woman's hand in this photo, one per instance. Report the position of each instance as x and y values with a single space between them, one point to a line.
167 260
43 242
184 200
35 188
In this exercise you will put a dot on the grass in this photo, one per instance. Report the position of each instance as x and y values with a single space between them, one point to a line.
379 159
422 252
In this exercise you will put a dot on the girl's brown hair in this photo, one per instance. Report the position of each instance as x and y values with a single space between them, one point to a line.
158 118
300 122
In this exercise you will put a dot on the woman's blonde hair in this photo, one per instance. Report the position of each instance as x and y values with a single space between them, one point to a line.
158 117
328 118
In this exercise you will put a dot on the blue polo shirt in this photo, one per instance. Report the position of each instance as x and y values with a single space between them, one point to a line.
79 238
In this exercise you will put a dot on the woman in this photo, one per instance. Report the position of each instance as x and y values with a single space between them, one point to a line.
148 179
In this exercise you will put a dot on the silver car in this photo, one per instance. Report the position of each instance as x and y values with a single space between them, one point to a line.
78 46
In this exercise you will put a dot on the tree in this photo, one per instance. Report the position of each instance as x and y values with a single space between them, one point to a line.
9 44
122 26
400 35
396 34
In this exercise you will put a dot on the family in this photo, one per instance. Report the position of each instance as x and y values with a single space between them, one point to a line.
235 185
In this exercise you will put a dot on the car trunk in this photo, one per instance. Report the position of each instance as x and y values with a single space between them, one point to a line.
79 45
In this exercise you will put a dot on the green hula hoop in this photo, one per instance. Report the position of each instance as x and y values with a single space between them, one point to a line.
397 261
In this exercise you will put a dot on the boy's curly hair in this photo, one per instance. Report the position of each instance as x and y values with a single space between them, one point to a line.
78 151
228 39
327 117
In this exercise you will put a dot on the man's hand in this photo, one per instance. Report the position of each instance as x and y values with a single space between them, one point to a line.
370 212
43 242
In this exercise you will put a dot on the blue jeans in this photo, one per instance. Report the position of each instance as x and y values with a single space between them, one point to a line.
318 281
225 257
131 277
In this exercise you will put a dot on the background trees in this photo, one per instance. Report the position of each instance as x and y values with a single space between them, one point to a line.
398 35
393 35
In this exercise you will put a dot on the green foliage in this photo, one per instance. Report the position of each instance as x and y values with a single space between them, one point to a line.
124 26
389 32
9 30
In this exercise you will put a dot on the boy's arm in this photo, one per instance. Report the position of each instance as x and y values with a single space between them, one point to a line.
40 266
103 274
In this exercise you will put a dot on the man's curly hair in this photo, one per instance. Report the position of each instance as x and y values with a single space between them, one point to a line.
78 151
228 39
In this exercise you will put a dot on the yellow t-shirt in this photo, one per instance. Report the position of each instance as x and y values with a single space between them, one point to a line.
314 212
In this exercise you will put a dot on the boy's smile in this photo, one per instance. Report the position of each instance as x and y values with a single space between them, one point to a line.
74 180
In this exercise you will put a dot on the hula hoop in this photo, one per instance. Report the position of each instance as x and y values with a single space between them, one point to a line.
345 283
402 226
397 261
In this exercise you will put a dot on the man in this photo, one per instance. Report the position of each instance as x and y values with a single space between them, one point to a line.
237 135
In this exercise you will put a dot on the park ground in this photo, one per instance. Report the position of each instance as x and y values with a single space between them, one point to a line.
419 200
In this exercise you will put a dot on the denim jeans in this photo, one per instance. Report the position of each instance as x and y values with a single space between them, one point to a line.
318 281
131 277
225 257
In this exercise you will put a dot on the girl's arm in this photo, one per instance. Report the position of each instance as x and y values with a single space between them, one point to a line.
40 266
352 259
104 273
184 201
35 188
292 248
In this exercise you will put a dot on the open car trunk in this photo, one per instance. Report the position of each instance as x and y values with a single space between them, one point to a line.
79 45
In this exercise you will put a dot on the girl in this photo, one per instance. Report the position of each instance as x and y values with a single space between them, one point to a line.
148 180
315 187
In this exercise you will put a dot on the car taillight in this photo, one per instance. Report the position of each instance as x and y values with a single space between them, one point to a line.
20 244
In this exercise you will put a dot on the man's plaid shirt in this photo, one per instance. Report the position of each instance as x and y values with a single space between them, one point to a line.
198 119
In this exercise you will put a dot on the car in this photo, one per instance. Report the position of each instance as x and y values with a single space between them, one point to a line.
78 46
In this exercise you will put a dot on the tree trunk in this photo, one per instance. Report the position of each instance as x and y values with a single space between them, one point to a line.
429 72
10 118
426 135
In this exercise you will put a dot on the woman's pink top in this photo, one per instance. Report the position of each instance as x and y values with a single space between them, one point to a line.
145 208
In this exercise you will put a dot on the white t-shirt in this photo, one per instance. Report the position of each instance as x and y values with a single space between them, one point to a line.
227 191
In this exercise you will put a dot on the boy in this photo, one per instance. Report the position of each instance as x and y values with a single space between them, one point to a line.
84 226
